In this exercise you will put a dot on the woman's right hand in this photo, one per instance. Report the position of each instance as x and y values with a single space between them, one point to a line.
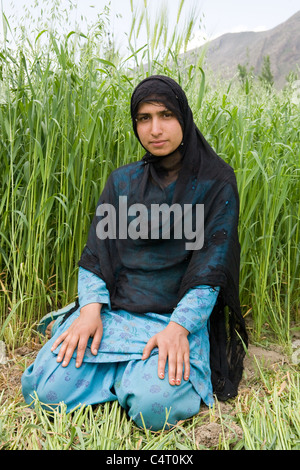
88 324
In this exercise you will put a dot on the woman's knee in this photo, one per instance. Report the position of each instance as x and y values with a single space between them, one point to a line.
148 411
53 384
163 406
36 384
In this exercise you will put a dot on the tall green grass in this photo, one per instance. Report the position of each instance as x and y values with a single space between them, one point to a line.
257 132
65 125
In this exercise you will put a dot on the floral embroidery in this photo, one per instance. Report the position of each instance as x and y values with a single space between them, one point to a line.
157 408
51 396
155 389
82 383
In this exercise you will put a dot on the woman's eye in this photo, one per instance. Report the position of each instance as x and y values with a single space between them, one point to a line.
142 118
168 115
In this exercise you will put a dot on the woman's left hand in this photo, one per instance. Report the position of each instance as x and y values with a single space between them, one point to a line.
173 345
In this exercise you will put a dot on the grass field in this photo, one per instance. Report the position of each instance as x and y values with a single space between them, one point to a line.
64 126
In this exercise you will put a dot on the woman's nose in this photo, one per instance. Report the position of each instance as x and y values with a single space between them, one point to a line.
156 128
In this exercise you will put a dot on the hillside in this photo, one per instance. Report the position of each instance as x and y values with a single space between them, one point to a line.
281 43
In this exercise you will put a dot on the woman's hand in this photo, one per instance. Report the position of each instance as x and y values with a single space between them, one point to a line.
173 344
88 324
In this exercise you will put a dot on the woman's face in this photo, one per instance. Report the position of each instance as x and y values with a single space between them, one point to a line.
158 129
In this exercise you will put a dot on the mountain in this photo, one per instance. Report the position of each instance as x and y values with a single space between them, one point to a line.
281 43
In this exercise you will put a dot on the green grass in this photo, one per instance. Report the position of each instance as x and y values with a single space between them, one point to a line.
64 126
271 421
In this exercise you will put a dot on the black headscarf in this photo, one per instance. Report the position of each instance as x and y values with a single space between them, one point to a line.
147 275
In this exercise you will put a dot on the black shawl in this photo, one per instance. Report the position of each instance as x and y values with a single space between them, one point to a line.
145 275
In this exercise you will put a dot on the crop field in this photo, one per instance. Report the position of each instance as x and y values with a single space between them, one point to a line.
64 126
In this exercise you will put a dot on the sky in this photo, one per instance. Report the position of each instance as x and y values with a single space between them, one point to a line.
217 16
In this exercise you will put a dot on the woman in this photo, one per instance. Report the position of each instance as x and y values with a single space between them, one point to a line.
149 328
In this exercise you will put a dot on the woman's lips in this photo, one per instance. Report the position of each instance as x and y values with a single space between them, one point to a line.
158 143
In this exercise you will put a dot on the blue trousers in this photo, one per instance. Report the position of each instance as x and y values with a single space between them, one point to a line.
135 384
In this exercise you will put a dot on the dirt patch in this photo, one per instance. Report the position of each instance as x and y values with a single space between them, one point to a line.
221 426
11 372
259 357
211 434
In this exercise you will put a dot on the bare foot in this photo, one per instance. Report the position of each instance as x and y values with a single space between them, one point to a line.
48 329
